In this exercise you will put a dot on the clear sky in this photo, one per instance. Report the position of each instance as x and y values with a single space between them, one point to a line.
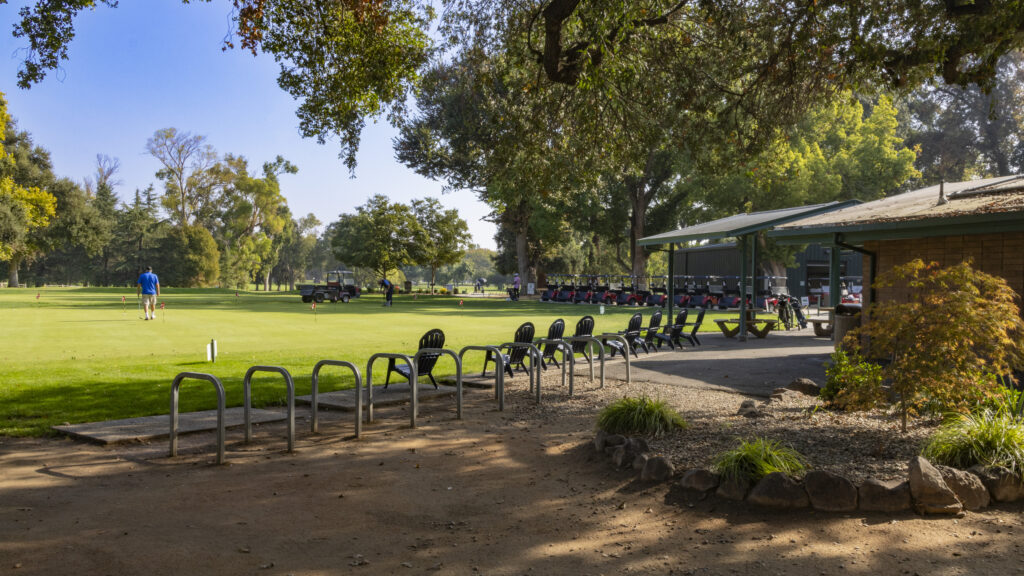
152 64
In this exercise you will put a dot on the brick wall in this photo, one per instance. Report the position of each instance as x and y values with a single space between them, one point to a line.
996 254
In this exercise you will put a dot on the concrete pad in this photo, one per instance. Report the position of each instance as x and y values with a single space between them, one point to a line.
397 393
755 367
153 427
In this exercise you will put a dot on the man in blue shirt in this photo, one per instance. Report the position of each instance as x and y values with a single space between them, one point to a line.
149 286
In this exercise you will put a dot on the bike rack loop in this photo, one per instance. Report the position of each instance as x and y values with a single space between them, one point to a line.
458 373
629 376
247 387
220 410
413 395
566 350
592 341
316 383
499 374
534 362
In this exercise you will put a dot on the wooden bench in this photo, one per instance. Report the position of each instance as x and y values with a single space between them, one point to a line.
822 327
759 328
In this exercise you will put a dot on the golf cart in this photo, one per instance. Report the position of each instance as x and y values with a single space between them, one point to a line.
341 285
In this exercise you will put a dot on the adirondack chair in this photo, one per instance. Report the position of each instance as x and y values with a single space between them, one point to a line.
555 332
514 355
585 327
672 332
651 332
432 339
694 327
632 335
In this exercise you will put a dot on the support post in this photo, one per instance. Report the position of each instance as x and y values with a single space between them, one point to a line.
743 288
671 278
833 275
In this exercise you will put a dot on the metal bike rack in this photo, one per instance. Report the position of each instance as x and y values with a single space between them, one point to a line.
413 395
620 337
592 341
220 410
316 383
566 350
247 387
499 370
534 353
458 373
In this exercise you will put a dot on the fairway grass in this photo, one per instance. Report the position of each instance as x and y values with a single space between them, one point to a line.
78 355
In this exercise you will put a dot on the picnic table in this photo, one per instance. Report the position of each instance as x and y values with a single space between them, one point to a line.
822 326
730 327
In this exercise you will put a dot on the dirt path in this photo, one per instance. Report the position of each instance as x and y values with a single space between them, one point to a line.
495 493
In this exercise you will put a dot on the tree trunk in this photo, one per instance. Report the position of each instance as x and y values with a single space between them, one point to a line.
521 252
433 278
12 278
638 210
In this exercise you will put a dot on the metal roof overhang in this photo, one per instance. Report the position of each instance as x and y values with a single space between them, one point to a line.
742 224
924 228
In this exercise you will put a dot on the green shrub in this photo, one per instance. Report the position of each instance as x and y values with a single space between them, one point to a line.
989 438
754 460
852 383
639 416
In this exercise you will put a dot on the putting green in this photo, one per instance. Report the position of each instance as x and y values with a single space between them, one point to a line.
78 355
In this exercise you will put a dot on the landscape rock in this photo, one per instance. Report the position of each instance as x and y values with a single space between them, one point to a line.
778 490
750 409
1002 484
600 440
657 469
804 386
626 453
929 490
877 496
614 440
829 492
700 480
733 489
969 489
640 461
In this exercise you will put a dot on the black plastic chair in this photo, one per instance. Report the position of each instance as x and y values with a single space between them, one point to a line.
672 332
425 366
516 355
695 326
651 331
555 332
632 336
585 327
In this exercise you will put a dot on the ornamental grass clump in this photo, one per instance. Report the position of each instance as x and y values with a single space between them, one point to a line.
756 459
989 438
639 416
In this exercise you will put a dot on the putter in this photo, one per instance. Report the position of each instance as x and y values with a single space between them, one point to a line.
138 300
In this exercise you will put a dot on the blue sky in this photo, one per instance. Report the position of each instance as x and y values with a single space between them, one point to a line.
152 64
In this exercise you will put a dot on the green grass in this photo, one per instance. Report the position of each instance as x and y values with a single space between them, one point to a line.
990 438
758 458
639 416
74 355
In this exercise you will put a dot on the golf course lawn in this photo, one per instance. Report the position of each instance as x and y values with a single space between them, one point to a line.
81 355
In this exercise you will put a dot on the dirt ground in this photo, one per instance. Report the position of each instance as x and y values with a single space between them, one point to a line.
494 493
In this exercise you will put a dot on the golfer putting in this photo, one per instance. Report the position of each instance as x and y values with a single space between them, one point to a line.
148 285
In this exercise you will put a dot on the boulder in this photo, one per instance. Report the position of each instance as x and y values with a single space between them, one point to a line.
804 386
750 409
640 461
657 469
777 490
877 496
1002 484
733 488
829 492
699 480
600 440
929 490
624 454
614 440
968 488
